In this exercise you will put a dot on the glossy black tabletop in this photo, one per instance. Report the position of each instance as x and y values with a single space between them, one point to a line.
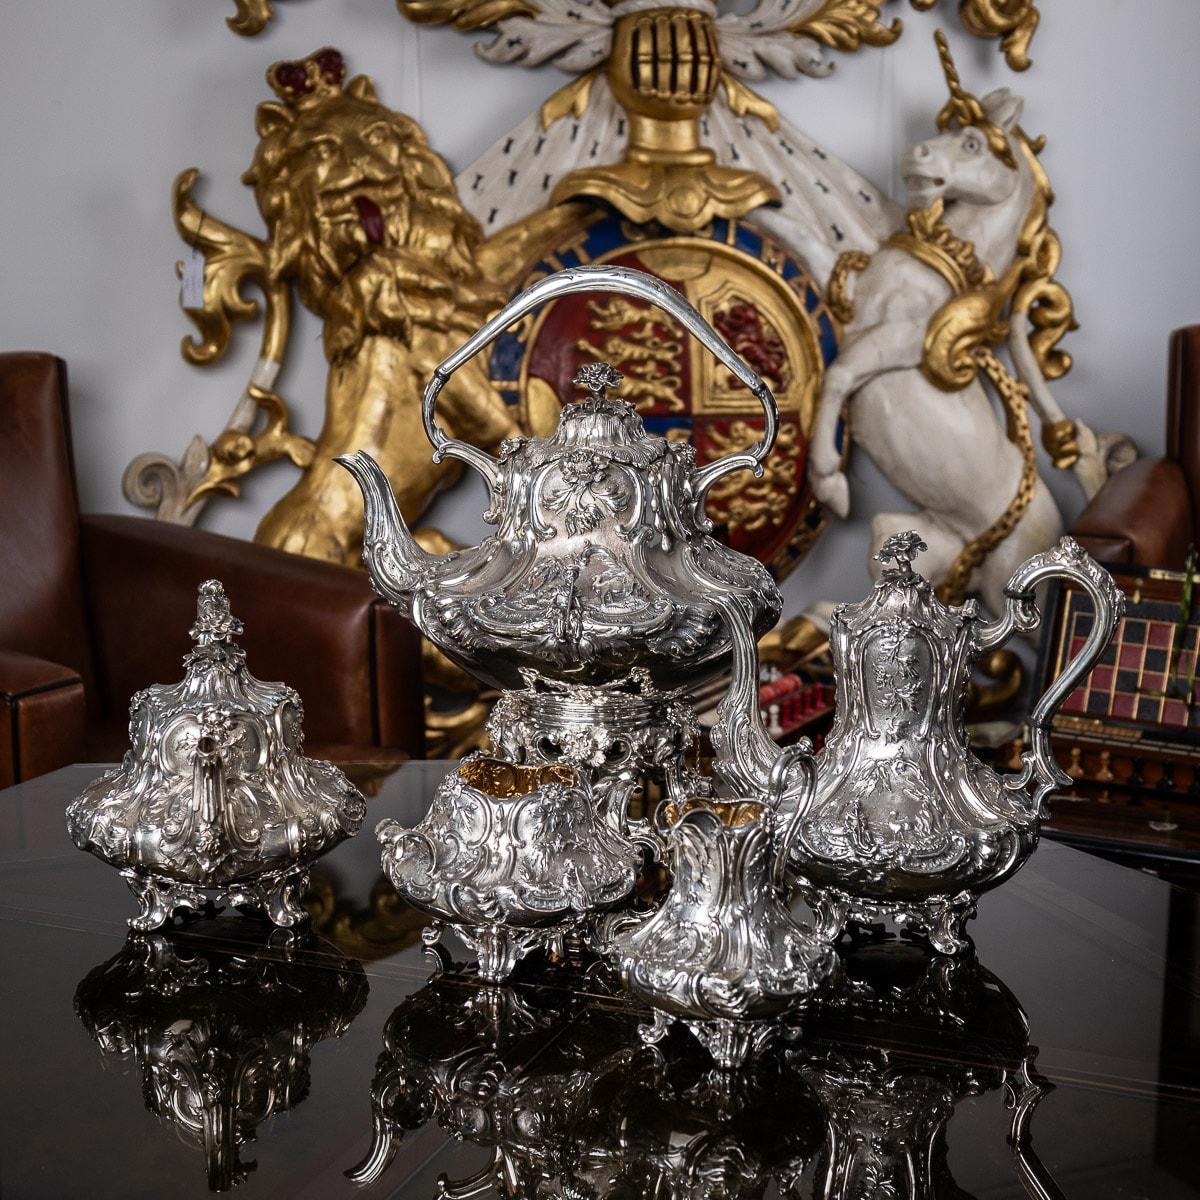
1063 1059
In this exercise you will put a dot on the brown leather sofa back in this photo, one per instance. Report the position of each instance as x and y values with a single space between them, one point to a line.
1183 410
1149 513
42 610
311 626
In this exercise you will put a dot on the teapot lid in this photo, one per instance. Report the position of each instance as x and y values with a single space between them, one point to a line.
215 672
597 423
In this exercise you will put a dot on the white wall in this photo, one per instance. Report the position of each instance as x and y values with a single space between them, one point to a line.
102 102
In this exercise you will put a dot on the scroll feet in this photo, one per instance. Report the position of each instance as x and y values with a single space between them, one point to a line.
941 920
158 899
282 900
946 925
729 1042
498 950
830 913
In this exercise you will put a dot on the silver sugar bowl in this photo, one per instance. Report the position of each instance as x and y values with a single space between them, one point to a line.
722 953
513 856
214 800
906 822
591 603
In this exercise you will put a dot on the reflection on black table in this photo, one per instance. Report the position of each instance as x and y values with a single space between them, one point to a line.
554 1081
220 1031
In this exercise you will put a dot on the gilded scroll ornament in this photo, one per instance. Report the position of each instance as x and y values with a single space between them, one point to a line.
251 17
235 453
1014 22
837 290
465 15
847 24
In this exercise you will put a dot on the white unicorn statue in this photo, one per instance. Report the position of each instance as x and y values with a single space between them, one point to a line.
973 269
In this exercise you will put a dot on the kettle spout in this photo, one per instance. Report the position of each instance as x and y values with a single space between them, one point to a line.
397 565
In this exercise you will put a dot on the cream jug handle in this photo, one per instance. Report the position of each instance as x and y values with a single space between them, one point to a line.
627 282
1066 561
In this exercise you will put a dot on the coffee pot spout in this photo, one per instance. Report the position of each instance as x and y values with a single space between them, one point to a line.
395 562
746 756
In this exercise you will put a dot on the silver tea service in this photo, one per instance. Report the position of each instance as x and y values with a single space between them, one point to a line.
215 800
600 599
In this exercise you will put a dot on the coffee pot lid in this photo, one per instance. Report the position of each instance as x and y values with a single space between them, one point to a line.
902 594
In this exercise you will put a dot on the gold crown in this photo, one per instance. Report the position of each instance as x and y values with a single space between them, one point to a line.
296 81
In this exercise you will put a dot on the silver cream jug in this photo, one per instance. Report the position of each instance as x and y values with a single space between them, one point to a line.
722 953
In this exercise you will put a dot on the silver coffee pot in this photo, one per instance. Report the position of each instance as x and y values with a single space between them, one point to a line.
905 821
591 604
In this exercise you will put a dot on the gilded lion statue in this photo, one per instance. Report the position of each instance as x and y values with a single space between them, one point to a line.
365 225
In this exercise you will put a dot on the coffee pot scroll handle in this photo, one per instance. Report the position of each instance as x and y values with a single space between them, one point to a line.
1067 560
626 282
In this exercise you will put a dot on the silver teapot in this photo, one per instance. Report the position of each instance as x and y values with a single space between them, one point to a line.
905 821
591 603
722 953
512 856
215 799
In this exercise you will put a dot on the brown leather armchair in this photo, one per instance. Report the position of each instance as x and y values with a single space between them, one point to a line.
1149 513
92 608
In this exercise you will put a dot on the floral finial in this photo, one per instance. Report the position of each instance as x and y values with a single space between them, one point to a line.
902 549
598 378
214 621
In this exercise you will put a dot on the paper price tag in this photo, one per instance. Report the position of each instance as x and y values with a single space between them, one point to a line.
191 294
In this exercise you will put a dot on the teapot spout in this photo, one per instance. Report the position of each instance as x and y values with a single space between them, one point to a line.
397 565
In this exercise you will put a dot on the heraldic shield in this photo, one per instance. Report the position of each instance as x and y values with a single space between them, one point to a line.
758 295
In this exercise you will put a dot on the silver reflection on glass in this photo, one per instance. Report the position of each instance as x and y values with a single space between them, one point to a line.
903 1040
221 1033
906 822
591 603
214 799
512 856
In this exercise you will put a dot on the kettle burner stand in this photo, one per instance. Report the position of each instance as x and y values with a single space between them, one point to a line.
615 733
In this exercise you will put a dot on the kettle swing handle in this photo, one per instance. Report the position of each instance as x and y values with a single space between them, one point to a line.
1067 560
627 282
